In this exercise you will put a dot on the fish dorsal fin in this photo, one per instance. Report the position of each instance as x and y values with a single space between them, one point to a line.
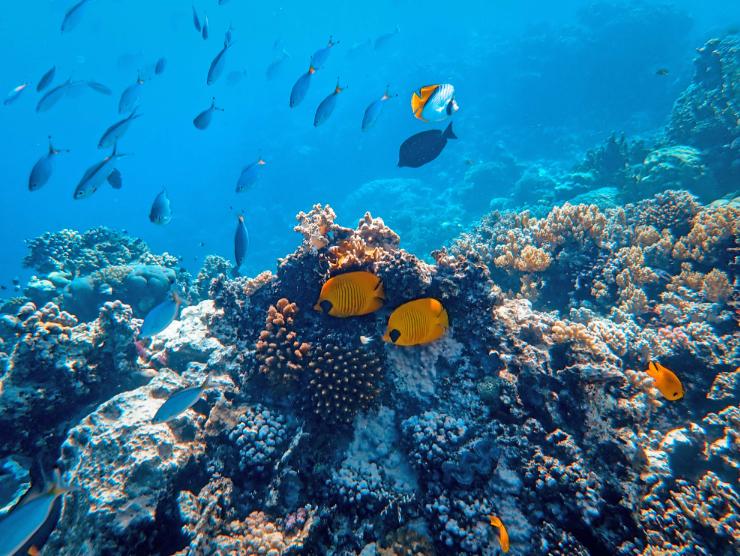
652 369
420 98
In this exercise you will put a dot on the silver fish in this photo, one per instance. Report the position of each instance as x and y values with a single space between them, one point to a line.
241 243
385 38
96 174
320 57
130 97
114 179
73 16
56 94
161 212
204 30
160 66
116 131
99 88
46 79
300 88
41 171
28 516
273 69
372 112
196 21
326 108
180 401
14 93
249 175
217 65
160 316
203 120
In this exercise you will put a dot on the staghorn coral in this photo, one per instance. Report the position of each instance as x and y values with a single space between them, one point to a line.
279 352
342 381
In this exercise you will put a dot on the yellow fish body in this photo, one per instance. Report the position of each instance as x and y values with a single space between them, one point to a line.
666 381
503 535
351 295
417 322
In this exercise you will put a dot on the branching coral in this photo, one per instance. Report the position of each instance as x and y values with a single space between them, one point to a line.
713 230
280 353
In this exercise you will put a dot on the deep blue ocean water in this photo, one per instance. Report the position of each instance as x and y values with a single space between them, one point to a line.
545 79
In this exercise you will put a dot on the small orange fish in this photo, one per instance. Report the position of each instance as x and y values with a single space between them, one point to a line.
666 381
503 535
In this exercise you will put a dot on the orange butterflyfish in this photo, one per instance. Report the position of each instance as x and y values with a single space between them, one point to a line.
503 535
666 381
351 295
416 322
434 103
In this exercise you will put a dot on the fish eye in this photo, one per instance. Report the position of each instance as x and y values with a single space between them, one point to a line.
326 306
394 335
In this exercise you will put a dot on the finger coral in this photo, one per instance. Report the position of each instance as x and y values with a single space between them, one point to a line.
279 352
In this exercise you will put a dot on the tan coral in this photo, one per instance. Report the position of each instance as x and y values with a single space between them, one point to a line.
279 351
717 286
577 222
710 228
316 225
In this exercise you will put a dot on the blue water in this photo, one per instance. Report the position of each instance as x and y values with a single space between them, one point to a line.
545 79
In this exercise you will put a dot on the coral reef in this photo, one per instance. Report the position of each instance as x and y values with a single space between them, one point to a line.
313 436
80 272
57 366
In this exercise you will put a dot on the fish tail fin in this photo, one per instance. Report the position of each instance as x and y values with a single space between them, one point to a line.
444 318
448 133
652 369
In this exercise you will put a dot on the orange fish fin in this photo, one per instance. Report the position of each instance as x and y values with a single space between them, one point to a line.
33 551
652 370
420 98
